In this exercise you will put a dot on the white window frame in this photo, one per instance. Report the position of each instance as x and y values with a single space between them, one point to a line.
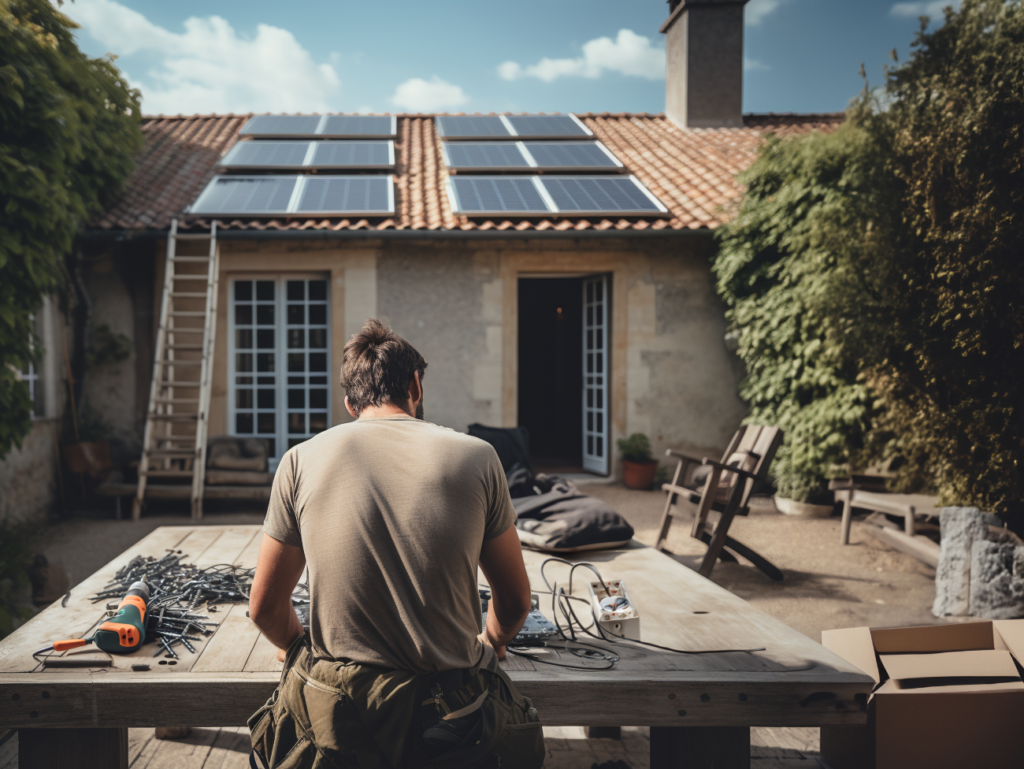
596 381
280 352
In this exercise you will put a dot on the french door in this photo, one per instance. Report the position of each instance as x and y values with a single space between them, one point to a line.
279 359
595 374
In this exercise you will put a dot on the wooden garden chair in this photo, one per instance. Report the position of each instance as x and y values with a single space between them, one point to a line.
727 490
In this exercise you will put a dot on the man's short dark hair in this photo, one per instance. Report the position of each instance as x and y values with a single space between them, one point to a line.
377 367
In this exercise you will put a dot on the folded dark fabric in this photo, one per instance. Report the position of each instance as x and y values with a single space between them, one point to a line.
512 444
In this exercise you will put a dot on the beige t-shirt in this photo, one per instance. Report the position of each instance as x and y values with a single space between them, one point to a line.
391 515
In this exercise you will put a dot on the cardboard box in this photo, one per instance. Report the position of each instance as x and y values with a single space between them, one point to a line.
946 696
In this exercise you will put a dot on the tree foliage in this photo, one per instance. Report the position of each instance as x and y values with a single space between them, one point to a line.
69 128
875 278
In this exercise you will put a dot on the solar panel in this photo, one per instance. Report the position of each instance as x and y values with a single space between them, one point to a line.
266 154
496 195
346 195
467 156
285 195
542 126
363 126
252 195
579 156
472 127
587 195
353 154
281 125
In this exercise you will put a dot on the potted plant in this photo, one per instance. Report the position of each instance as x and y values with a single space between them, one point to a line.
638 467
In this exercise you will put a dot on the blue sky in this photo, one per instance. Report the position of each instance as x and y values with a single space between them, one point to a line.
474 55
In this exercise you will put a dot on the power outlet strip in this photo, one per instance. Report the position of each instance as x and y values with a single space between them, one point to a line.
622 621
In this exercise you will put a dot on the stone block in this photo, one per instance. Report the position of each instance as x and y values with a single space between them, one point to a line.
960 526
997 580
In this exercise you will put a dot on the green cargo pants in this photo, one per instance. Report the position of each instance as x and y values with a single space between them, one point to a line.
333 714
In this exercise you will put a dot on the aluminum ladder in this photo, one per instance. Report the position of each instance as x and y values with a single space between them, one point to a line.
177 419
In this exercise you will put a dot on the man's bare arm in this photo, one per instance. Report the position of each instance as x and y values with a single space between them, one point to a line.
278 569
501 560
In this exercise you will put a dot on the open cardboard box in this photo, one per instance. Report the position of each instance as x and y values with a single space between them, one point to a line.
946 696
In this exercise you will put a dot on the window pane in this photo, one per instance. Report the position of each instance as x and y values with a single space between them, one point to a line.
243 313
265 361
265 338
266 380
590 421
590 398
599 442
600 338
599 309
296 380
271 447
600 362
314 380
590 363
243 290
243 380
590 339
317 290
318 361
318 338
265 290
296 338
317 314
599 394
590 316
265 399
296 315
296 423
264 315
590 444
598 290
318 399
265 422
243 424
243 399
296 290
243 338
243 361
600 421
296 399
317 422
296 361
590 292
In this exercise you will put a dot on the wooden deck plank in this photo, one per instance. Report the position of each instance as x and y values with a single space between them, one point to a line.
228 547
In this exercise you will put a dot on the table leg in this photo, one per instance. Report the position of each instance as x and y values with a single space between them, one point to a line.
700 747
73 749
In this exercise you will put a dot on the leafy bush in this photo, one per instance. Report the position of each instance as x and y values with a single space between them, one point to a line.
873 275
69 127
635 448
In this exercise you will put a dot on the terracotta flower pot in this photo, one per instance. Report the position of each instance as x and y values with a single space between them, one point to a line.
638 475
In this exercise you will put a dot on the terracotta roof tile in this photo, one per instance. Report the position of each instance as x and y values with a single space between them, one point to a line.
692 172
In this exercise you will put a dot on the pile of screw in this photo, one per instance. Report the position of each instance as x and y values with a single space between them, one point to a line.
178 589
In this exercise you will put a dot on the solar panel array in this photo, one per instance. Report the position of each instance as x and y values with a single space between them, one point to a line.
322 126
464 127
294 154
529 156
548 195
296 195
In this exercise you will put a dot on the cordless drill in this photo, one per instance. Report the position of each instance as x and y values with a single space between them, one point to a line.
124 632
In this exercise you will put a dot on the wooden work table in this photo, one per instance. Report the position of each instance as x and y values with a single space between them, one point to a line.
699 707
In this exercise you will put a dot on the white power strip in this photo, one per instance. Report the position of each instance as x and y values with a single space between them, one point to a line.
622 620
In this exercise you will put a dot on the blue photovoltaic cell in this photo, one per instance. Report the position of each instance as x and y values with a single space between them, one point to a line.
484 155
471 126
351 154
246 195
267 154
345 194
599 194
569 155
358 125
498 194
546 125
281 125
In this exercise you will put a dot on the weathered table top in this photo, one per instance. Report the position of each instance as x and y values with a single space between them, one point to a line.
794 682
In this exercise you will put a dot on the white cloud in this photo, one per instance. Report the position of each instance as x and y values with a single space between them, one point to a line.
914 10
434 95
210 67
629 54
756 11
752 65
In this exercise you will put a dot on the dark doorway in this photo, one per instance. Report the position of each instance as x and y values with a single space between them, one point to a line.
551 371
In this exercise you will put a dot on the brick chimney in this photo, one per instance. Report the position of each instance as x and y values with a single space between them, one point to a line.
704 63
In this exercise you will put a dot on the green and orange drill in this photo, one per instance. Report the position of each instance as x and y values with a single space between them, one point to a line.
122 633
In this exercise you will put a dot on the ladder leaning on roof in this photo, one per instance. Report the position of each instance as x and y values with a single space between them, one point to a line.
174 445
